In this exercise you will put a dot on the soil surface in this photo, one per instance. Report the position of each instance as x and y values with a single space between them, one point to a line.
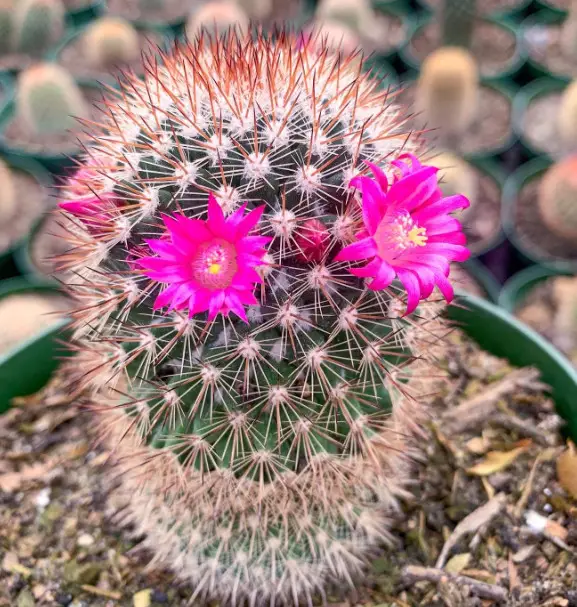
486 7
32 201
531 231
465 281
491 127
492 522
493 46
542 310
17 135
539 124
543 44
74 59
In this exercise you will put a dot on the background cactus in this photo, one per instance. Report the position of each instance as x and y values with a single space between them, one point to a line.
38 24
260 458
217 16
256 9
457 177
356 14
447 90
48 100
569 32
458 19
567 116
111 41
7 193
558 198
6 24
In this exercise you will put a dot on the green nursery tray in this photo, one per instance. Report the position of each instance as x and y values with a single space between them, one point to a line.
519 286
28 368
510 13
43 177
510 71
25 369
483 277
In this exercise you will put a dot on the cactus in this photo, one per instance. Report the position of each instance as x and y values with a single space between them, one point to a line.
6 24
262 394
456 177
457 21
569 32
217 17
567 116
355 14
111 41
447 90
557 198
38 24
150 6
256 9
7 193
48 100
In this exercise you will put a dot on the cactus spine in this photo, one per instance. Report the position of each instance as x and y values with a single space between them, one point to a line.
48 100
111 41
260 458
458 19
7 193
447 90
217 17
38 24
558 198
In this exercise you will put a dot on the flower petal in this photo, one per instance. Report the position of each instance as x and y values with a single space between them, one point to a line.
362 249
412 288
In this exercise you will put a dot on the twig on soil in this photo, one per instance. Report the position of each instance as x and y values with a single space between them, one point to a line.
526 428
412 574
470 524
479 407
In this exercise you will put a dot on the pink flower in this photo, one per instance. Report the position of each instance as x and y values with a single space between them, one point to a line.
208 265
408 231
312 240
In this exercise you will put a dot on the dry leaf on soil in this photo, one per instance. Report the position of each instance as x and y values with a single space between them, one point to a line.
498 460
567 469
11 481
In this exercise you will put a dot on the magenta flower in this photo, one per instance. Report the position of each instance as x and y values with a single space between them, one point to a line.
208 265
408 231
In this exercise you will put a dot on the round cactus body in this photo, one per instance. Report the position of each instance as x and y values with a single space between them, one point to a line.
356 14
558 198
456 176
216 18
262 383
111 41
567 116
447 89
48 100
7 193
38 24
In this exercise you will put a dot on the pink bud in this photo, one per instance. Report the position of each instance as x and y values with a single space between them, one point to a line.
312 241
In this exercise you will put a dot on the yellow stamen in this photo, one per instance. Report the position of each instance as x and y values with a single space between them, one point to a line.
418 236
214 268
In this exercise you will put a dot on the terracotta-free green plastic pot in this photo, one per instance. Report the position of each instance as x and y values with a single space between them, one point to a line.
499 333
43 177
55 163
27 367
537 21
514 183
509 71
524 97
83 14
518 287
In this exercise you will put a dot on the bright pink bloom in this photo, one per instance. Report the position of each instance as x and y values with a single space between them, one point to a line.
208 265
312 240
408 231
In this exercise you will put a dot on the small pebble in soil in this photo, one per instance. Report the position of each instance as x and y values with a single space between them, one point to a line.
63 599
157 596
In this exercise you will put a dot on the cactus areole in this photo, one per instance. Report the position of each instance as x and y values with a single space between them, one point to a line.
256 241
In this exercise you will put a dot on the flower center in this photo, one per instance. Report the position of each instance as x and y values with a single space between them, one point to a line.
398 233
214 264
